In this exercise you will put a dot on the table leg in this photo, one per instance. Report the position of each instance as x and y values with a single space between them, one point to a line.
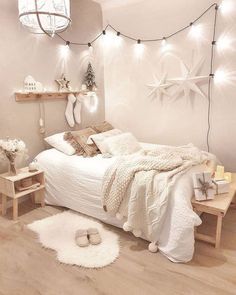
42 198
32 196
4 204
218 230
15 209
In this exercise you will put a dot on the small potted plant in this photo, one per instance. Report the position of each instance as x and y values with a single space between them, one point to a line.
10 149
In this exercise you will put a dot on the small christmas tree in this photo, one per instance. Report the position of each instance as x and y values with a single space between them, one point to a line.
89 79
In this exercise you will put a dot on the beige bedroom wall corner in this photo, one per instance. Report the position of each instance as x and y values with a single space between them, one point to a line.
23 53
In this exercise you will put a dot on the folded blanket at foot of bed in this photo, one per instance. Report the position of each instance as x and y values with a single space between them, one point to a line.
151 175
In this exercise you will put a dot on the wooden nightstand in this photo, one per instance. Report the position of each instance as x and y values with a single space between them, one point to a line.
219 207
9 188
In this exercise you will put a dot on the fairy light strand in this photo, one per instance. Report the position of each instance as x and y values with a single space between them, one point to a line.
209 94
139 41
136 39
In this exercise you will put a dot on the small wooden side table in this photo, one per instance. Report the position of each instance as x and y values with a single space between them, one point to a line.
219 207
9 186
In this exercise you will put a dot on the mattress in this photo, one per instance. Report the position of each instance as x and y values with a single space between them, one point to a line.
75 182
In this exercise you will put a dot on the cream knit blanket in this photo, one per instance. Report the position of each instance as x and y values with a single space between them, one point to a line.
151 176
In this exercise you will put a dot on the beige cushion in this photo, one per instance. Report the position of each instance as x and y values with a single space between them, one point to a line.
122 144
79 138
99 139
58 142
102 127
68 136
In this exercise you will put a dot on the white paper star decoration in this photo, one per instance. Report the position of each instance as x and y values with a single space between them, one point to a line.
189 81
64 84
158 88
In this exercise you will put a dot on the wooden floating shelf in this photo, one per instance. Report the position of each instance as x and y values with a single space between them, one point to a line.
32 96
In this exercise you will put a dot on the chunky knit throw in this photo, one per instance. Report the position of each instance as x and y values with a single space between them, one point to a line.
150 175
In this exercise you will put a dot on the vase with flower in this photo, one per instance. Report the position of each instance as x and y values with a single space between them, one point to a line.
10 149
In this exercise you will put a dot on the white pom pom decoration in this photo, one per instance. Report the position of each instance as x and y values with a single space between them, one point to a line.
152 247
119 216
137 233
126 227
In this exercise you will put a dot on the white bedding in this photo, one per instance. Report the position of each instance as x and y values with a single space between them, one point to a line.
75 182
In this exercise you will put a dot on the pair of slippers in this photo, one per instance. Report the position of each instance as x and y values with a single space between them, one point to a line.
85 237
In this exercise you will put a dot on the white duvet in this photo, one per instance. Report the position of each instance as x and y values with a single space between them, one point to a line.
76 182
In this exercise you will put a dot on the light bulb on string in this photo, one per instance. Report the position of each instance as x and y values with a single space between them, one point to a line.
110 39
227 6
139 48
220 76
64 50
165 45
224 42
196 31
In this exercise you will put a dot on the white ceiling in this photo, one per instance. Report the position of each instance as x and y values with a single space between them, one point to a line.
106 4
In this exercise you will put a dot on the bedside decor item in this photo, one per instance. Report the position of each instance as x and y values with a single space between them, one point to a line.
228 176
221 186
89 79
45 16
26 182
60 236
218 207
10 149
220 171
203 186
33 166
64 84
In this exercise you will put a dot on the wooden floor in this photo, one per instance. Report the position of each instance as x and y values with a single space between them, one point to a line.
28 269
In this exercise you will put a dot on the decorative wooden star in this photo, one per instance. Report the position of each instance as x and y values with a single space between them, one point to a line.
189 81
64 84
158 88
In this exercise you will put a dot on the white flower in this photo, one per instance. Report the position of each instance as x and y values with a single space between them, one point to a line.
21 146
12 146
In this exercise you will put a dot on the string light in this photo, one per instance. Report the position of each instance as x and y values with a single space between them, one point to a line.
196 31
64 50
224 42
220 76
139 49
226 6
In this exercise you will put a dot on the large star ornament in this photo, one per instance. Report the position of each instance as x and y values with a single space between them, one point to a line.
64 84
158 88
188 82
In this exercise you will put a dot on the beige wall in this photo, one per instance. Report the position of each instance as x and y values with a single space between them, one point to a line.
23 53
171 121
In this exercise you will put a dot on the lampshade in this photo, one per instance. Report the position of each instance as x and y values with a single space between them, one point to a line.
45 16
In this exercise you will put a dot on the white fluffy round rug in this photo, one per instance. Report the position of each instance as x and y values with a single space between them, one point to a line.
57 232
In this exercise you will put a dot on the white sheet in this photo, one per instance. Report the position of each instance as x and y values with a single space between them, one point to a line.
75 182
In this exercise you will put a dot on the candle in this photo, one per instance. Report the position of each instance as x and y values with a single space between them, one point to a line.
228 176
219 174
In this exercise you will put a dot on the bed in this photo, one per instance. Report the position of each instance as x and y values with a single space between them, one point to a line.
75 182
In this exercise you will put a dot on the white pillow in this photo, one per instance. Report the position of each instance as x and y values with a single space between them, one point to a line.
57 141
99 139
122 144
